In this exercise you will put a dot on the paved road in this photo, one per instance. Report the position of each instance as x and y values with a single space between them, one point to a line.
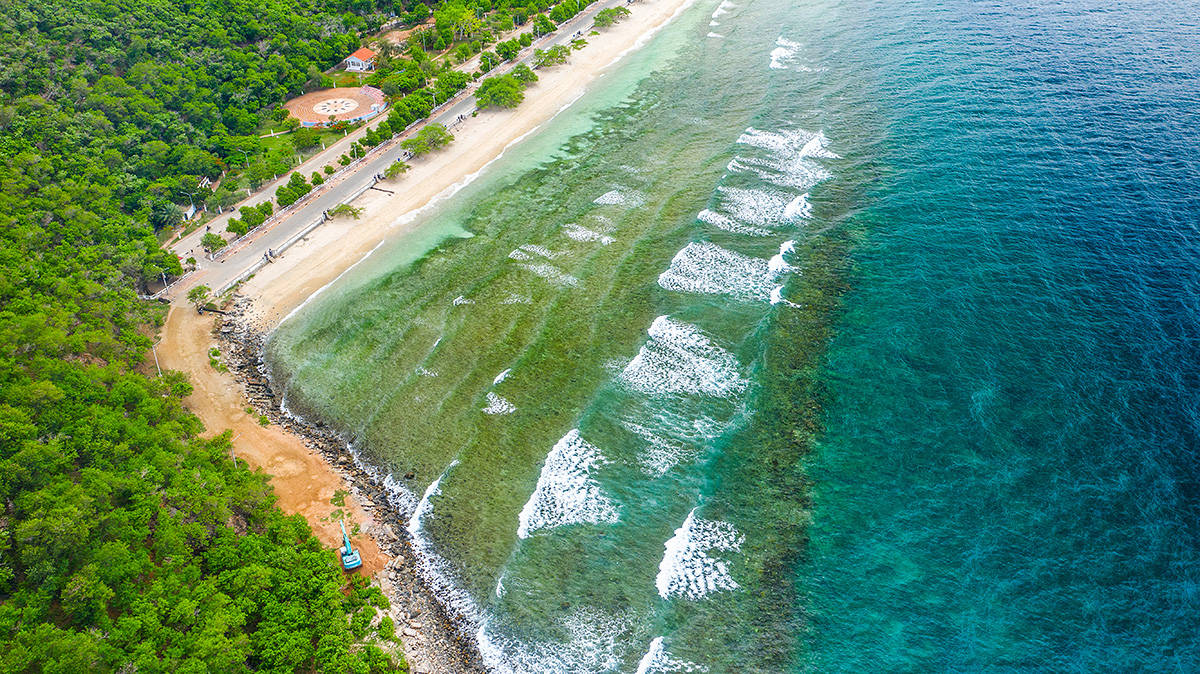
239 260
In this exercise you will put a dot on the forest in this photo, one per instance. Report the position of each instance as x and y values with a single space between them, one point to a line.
128 542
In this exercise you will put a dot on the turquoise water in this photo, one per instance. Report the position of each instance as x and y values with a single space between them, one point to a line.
820 336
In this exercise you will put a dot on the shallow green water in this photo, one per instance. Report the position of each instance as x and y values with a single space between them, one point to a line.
591 366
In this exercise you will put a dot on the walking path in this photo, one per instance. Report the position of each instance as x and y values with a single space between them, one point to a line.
246 255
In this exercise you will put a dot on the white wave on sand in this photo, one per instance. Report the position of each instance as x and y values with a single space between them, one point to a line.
566 493
679 359
687 570
658 660
498 405
705 267
578 233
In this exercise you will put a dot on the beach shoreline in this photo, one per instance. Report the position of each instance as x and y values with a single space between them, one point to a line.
308 465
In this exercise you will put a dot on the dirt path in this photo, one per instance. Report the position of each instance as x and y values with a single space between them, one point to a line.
302 479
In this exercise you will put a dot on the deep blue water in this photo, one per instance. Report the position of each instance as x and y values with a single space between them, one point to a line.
1008 475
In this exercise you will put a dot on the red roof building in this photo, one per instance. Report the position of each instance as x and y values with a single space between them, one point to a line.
361 61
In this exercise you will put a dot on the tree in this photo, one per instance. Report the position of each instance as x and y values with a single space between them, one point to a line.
554 56
542 25
305 138
431 137
212 242
395 168
164 215
345 209
502 91
199 295
608 17
508 49
524 74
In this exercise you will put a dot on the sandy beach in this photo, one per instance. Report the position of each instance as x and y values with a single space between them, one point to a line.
303 479
331 248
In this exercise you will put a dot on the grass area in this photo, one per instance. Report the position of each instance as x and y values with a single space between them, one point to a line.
342 78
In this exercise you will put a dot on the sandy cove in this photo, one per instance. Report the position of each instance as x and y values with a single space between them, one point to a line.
305 480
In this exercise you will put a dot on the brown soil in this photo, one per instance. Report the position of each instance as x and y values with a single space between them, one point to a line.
302 479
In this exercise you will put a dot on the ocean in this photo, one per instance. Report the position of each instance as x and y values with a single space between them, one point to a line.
818 336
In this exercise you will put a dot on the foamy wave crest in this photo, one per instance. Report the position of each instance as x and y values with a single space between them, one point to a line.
779 263
498 405
791 143
792 172
619 198
715 35
513 298
686 569
662 453
777 298
784 54
435 570
583 234
679 359
552 274
519 255
705 267
566 493
540 250
460 300
422 372
723 9
657 660
798 207
590 644
757 207
501 377
730 225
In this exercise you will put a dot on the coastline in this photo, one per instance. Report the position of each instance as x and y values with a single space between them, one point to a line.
327 251
309 464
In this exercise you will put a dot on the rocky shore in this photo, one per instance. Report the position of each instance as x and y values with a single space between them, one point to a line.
435 640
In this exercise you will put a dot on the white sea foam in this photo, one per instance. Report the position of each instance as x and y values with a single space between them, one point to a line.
729 224
715 35
705 267
501 377
662 453
460 300
679 359
777 298
779 263
619 198
566 493
422 372
519 254
591 645
513 298
687 570
786 171
723 8
540 250
552 274
754 206
498 405
790 143
657 660
583 234
784 54
435 570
